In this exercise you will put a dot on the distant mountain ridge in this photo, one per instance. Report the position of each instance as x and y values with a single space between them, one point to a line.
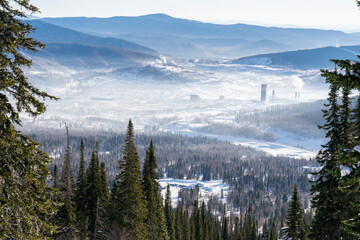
47 32
77 56
73 49
195 39
303 59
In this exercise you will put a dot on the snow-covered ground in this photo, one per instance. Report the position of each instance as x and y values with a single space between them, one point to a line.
273 148
207 188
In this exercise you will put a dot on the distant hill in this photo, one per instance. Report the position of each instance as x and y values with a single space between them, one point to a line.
357 34
49 33
303 59
75 56
194 39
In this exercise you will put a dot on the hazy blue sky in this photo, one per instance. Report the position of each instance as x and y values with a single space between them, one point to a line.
339 14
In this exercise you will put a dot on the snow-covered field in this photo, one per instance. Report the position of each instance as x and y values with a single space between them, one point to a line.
273 148
207 188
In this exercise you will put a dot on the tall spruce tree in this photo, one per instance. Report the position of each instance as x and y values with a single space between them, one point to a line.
55 176
333 199
93 195
197 222
265 231
179 223
273 231
66 216
104 184
169 214
294 229
25 200
155 221
326 200
349 156
225 228
355 126
345 112
80 195
132 211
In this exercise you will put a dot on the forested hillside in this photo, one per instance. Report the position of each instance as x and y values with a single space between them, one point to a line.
257 180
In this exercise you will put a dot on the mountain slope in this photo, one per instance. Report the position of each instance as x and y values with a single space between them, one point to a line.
73 55
303 59
173 35
46 32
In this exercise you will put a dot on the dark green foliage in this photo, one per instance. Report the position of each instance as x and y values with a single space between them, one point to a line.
349 156
24 196
25 201
249 173
178 223
250 227
355 127
326 200
273 232
196 222
112 211
186 225
80 196
104 187
225 229
155 221
335 200
55 177
344 113
265 231
13 81
132 210
95 200
169 214
66 216
350 185
294 219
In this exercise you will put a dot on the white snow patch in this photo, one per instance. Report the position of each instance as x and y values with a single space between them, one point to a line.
207 188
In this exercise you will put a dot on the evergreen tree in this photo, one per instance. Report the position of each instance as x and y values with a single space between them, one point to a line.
66 215
345 113
103 202
169 214
93 196
196 216
355 126
349 156
294 219
265 231
225 228
237 226
326 200
186 226
155 220
105 194
80 195
179 223
112 214
350 185
130 199
249 226
204 222
273 231
55 176
25 201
